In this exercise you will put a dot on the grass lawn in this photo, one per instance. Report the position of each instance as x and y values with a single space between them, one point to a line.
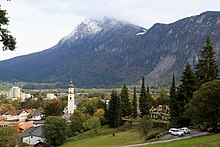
203 141
121 138
105 138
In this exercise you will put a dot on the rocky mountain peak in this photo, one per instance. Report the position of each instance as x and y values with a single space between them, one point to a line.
86 28
91 27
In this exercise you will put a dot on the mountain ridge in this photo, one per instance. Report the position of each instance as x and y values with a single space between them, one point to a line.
100 54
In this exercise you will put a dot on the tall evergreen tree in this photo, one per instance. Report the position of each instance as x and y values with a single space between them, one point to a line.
173 88
149 99
118 121
134 104
184 95
125 102
173 102
207 67
114 111
143 103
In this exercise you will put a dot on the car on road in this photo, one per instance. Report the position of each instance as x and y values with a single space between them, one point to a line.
185 130
176 132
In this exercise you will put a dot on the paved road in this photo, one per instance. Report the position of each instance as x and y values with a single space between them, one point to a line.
179 138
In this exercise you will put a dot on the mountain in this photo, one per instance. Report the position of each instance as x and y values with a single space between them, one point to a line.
109 52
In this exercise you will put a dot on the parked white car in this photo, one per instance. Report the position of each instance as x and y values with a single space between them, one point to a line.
176 132
185 130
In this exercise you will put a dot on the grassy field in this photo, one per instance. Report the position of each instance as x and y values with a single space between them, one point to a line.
5 86
105 138
121 138
203 141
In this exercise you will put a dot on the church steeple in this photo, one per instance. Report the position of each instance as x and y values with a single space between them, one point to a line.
71 101
71 84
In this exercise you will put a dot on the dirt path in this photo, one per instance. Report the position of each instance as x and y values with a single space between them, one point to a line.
169 138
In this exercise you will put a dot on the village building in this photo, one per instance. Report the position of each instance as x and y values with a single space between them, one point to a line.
14 115
15 92
33 136
24 126
50 96
37 115
71 101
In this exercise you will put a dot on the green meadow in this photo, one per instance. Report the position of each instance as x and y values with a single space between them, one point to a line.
105 138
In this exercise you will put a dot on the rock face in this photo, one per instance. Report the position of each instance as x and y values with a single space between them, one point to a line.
110 53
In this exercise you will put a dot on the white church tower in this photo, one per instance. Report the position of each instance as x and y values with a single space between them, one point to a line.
71 102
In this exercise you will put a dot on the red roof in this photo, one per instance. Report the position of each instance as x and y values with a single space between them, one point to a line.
3 112
26 125
14 112
29 110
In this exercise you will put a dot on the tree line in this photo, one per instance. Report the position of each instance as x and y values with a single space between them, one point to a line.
197 98
120 105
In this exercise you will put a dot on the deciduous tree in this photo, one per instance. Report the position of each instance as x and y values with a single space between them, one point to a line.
54 108
145 126
7 39
76 121
205 105
9 137
92 123
56 130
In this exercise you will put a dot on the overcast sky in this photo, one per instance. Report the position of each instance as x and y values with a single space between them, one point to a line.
40 24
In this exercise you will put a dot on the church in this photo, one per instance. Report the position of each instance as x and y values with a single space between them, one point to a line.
69 109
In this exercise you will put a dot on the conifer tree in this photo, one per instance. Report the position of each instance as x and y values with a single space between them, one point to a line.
143 103
173 102
149 99
114 111
184 95
173 88
207 67
125 102
118 121
134 104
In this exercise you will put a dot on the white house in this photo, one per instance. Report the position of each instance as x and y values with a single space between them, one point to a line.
14 115
50 96
33 136
37 115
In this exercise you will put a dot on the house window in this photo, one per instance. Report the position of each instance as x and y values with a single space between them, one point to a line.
70 98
